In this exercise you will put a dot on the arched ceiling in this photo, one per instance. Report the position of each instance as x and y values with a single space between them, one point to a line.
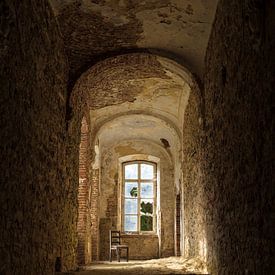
139 127
178 29
136 96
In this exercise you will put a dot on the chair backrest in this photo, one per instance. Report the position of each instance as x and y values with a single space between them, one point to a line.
114 237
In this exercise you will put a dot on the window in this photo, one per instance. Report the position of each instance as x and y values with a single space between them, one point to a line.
139 197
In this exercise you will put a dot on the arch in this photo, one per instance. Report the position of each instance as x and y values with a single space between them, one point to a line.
135 157
98 88
130 66
165 121
166 127
99 82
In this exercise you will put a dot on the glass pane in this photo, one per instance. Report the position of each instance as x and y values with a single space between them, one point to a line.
146 223
130 206
131 171
131 189
146 207
146 190
130 223
147 171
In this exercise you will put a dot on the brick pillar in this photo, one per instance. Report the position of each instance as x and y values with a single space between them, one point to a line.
178 229
83 195
94 213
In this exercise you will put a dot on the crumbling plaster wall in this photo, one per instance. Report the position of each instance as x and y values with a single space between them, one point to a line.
238 155
109 199
36 221
173 27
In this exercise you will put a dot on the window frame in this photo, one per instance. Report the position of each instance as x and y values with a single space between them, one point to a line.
139 198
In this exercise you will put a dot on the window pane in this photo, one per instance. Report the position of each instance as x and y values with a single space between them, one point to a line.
131 189
130 206
146 207
146 190
147 171
130 223
146 223
131 171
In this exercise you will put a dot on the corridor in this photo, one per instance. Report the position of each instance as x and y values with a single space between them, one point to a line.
153 118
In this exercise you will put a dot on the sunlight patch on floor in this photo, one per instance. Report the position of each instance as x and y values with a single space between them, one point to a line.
171 265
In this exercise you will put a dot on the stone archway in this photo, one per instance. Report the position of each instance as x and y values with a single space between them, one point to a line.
117 91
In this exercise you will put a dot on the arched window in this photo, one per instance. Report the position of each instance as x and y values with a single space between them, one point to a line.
139 197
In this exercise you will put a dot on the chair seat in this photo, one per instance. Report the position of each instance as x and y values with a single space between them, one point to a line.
119 246
116 246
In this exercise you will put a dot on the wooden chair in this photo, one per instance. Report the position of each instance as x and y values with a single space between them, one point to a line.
115 245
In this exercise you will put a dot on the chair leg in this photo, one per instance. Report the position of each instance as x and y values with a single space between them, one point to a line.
118 254
110 255
127 251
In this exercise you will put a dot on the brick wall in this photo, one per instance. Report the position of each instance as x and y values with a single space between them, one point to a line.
94 213
178 225
83 223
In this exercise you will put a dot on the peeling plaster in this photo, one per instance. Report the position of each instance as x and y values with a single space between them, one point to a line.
180 27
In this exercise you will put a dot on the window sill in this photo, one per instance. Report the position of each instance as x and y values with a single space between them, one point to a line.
136 235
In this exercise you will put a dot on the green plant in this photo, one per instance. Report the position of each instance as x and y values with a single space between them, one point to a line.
134 192
146 207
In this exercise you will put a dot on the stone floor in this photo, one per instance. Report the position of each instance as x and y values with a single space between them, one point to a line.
171 265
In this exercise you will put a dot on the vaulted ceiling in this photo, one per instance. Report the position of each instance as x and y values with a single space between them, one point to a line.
175 28
134 62
136 96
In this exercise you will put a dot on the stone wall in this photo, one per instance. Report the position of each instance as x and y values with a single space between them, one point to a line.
110 196
228 189
192 182
142 247
36 221
239 88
